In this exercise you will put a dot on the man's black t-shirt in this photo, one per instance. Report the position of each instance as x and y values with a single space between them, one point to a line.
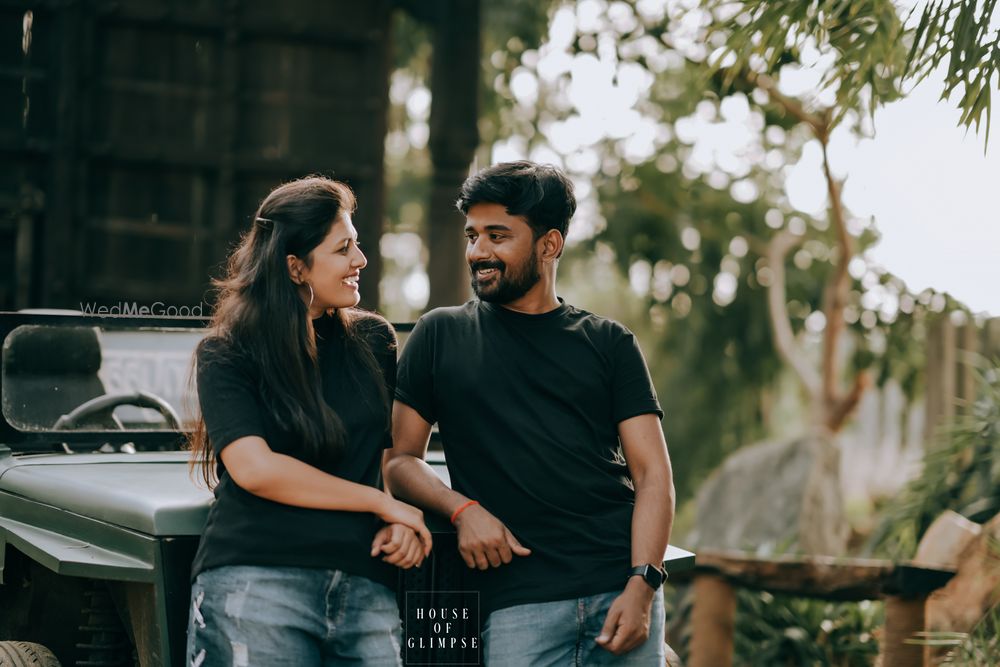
528 408
244 529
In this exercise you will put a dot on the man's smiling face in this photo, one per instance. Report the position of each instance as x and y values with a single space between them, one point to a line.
501 253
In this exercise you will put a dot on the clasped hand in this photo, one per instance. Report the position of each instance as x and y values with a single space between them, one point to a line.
400 545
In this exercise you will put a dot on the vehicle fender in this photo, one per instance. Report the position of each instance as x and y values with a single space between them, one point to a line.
69 556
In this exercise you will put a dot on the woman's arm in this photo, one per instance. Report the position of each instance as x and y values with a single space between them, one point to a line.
259 470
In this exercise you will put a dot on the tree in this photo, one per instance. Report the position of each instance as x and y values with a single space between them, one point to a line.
874 55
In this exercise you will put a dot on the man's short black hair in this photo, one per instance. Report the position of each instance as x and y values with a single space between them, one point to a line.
539 192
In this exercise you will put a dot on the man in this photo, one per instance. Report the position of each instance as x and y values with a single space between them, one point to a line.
548 419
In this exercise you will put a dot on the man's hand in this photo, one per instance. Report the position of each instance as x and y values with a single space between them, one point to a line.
483 540
627 624
400 544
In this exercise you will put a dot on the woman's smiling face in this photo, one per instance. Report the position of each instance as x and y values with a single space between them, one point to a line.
333 268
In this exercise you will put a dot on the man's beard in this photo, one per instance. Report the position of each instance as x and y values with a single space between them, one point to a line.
507 286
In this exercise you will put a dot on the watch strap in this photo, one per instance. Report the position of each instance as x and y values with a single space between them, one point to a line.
652 575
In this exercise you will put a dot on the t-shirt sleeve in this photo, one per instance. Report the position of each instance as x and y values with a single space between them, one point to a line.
227 395
415 377
632 387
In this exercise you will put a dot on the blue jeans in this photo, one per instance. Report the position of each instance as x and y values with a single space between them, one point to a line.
562 634
247 615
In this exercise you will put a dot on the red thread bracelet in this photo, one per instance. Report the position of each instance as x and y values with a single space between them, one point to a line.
461 508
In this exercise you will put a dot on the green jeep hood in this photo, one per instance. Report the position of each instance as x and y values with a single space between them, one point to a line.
149 492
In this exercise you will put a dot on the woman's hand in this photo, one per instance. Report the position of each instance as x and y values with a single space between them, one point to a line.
400 545
394 511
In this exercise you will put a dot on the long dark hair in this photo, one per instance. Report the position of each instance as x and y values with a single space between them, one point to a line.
260 316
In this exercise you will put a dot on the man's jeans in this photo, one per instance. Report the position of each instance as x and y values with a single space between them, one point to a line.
247 615
562 633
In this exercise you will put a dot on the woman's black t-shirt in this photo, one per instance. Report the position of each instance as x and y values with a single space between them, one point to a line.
244 529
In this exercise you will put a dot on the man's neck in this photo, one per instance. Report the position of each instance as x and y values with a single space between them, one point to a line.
538 300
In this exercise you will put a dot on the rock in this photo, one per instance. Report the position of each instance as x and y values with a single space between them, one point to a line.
945 540
775 497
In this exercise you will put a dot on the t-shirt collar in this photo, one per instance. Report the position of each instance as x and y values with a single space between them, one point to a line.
499 310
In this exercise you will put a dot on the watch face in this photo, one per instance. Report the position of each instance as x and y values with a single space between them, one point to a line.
653 577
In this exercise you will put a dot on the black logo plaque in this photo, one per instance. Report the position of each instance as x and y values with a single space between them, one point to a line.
441 628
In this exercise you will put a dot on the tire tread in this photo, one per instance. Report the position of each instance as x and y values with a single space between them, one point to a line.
26 654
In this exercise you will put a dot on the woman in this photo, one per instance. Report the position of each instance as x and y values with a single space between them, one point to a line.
294 386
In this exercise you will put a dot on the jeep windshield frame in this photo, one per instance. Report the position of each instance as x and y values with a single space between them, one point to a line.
37 440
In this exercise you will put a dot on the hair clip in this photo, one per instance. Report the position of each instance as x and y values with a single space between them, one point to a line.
264 223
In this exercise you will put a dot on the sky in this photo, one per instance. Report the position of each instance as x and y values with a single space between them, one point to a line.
927 183
932 191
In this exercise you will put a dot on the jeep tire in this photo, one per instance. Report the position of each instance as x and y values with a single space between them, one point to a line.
26 654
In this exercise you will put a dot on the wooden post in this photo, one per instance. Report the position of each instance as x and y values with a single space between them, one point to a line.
454 136
991 339
940 399
904 617
370 189
965 373
61 220
226 225
24 249
713 618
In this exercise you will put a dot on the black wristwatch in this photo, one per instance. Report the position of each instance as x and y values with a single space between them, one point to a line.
653 576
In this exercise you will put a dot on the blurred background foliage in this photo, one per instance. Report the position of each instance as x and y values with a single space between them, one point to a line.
682 189
979 648
962 475
676 227
781 631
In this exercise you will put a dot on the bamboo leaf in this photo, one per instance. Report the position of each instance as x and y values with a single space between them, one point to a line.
918 35
989 107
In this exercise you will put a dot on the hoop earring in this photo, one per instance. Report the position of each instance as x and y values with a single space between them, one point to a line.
312 295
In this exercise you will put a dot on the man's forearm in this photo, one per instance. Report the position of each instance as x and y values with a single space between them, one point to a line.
412 479
627 624
652 519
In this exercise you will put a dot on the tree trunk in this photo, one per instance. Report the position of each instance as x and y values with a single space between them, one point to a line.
823 525
454 136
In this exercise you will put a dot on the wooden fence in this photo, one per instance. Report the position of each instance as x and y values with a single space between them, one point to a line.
955 352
